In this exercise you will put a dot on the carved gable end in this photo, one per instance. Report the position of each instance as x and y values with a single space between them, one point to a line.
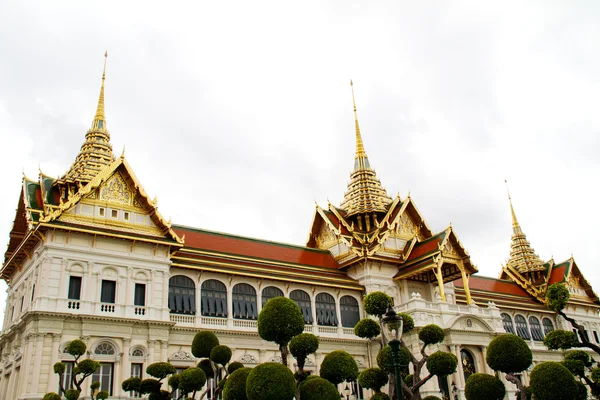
116 190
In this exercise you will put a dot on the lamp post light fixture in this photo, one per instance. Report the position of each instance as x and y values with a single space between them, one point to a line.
392 330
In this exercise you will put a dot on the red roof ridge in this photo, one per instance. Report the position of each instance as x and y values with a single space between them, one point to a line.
252 239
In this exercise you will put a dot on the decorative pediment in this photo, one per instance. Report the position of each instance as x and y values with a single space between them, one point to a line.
248 359
182 356
116 190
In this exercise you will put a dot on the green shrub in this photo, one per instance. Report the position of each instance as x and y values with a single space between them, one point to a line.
484 387
72 394
205 366
442 363
160 395
95 385
270 381
192 379
595 375
367 328
552 381
582 392
160 370
576 367
431 398
380 396
408 322
220 354
149 385
203 343
102 395
174 381
580 355
430 334
59 368
280 320
377 303
508 353
339 366
408 379
559 339
131 384
76 348
373 378
386 362
302 345
235 385
51 396
319 389
234 366
310 377
557 296
87 366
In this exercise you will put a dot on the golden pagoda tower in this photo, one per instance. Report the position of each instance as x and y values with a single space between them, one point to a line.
96 152
365 197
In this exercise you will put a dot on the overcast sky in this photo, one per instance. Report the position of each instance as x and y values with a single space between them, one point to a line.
238 115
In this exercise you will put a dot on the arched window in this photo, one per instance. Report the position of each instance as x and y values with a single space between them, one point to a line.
302 298
536 329
349 311
269 292
468 363
244 301
182 295
508 324
105 349
521 324
548 325
325 304
213 295
137 352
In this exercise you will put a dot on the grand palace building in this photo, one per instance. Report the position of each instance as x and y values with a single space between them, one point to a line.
90 257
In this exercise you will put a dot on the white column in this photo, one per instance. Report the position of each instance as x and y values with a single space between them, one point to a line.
460 381
151 348
163 351
313 310
230 306
129 293
338 313
62 284
125 364
37 361
54 358
116 373
27 357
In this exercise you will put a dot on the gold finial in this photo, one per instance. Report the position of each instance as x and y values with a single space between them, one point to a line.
360 148
100 110
512 210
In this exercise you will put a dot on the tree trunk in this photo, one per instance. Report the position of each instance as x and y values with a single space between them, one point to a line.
512 378
284 353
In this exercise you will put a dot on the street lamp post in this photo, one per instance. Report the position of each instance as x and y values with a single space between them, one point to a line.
392 329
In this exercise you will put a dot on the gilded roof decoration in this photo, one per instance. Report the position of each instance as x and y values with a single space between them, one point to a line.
365 193
522 256
96 152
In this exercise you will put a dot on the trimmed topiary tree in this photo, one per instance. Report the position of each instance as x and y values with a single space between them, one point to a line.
191 380
441 363
102 395
339 366
72 394
557 297
373 378
484 387
431 398
234 366
510 354
81 369
160 370
203 343
132 385
552 381
220 354
301 346
271 381
235 385
367 328
279 321
51 396
380 396
319 389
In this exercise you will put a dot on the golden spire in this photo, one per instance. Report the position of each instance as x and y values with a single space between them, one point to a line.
361 161
365 193
96 151
100 109
522 256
